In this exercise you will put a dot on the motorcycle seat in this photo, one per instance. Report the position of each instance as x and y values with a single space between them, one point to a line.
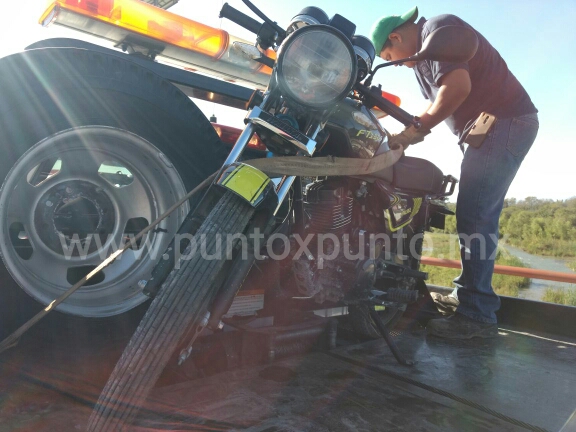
413 174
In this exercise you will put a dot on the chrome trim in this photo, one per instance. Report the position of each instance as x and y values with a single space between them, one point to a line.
314 129
364 56
241 143
293 136
282 190
304 20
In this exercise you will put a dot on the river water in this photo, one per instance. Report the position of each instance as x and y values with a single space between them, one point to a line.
537 287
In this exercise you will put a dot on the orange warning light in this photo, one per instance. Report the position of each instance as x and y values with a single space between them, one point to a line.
147 20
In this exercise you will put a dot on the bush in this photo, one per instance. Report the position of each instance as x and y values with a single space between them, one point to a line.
450 226
563 296
443 247
542 227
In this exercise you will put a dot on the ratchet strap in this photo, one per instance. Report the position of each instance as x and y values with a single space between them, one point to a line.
326 166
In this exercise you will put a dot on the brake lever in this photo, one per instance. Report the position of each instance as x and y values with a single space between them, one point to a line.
279 30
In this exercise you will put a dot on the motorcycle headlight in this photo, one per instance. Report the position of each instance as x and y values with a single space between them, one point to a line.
316 66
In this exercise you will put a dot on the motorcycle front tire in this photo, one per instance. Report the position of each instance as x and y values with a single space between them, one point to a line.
179 306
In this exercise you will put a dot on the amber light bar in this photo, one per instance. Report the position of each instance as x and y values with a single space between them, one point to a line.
141 26
164 4
133 24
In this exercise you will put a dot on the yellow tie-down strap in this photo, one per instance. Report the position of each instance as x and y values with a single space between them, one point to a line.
248 182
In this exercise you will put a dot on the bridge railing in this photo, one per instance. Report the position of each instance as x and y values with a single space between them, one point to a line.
508 270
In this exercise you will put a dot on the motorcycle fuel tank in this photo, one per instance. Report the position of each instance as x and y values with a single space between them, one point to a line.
363 133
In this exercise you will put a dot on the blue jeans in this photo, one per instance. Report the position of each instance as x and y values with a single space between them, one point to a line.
487 173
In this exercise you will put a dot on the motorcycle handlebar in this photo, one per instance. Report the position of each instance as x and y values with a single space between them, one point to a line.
399 114
240 18
373 97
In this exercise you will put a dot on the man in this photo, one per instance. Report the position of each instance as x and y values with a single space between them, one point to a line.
458 94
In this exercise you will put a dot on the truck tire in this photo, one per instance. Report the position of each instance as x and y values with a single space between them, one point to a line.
179 306
63 98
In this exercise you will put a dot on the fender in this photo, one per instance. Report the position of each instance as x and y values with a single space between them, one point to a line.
249 183
192 84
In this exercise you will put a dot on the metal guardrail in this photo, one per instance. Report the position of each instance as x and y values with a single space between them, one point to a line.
508 270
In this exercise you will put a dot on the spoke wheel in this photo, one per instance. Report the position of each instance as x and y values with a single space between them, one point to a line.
76 197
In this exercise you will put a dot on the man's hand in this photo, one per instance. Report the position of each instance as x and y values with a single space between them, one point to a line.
408 136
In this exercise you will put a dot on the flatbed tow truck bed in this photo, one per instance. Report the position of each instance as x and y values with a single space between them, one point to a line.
520 381
524 380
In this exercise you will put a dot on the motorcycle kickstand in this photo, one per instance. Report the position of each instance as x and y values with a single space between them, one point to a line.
391 344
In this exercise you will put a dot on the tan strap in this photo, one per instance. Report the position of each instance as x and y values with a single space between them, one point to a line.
325 166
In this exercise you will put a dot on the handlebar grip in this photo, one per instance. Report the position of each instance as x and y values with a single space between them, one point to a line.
240 18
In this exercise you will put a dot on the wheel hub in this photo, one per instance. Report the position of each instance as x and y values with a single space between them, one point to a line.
72 214
74 198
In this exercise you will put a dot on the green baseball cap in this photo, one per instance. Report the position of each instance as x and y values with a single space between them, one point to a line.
384 26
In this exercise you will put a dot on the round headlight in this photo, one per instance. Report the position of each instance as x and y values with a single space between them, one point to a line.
316 66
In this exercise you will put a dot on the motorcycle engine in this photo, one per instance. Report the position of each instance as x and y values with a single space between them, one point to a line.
328 208
331 208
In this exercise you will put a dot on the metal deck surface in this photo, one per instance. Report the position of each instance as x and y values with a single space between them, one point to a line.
51 379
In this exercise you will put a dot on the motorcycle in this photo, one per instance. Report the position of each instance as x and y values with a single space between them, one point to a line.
341 214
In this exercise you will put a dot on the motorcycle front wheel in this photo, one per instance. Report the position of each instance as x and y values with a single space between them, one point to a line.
179 306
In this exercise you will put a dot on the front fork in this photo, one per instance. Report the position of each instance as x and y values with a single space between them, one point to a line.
283 184
194 218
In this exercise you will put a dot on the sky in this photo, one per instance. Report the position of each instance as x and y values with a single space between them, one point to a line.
535 37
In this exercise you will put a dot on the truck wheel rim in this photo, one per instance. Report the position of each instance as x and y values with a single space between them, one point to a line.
74 198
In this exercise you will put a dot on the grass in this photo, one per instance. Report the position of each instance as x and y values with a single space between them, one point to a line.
560 296
441 245
563 296
547 247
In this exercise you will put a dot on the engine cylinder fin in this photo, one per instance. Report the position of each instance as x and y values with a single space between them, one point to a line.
329 208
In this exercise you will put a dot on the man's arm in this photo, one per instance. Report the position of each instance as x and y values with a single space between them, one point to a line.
426 110
455 87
